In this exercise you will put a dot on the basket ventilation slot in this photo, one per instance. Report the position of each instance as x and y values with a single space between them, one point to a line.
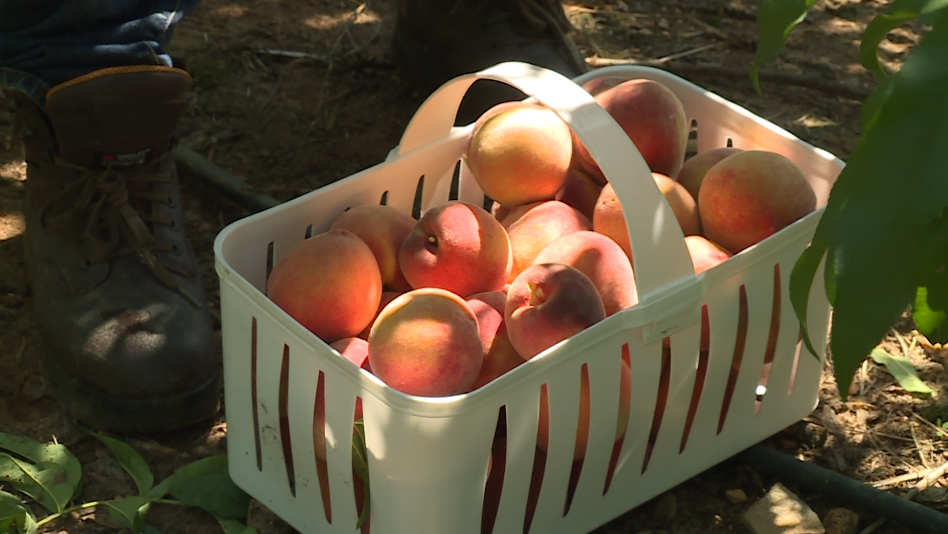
384 200
771 341
738 356
266 279
796 361
495 474
319 445
539 463
692 147
582 438
453 194
358 485
253 391
285 419
625 404
662 397
700 374
309 232
416 205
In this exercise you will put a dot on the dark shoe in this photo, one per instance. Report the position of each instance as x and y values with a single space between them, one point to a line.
436 40
117 295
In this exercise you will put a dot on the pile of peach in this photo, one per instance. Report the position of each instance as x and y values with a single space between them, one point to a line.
447 303
444 304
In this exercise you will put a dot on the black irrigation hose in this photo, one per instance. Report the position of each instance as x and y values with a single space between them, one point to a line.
846 491
231 186
916 517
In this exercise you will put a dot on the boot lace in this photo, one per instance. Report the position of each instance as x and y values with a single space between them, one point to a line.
114 227
545 17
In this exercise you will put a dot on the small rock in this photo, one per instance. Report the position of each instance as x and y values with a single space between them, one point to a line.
782 512
666 508
736 496
841 521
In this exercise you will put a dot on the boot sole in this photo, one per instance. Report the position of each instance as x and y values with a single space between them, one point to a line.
113 414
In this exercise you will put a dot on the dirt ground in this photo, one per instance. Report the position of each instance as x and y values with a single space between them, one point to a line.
288 125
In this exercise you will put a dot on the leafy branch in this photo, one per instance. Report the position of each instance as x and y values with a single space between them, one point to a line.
892 190
51 476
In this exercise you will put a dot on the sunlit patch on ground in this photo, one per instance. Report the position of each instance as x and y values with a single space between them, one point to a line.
11 225
13 171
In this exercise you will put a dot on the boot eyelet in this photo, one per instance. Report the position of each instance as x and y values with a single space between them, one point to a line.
173 225
170 203
85 264
175 249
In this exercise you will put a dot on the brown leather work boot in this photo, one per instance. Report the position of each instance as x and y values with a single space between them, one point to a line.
436 40
117 295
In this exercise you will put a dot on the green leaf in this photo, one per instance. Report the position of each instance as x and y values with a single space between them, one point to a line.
162 488
890 192
46 483
206 484
232 526
801 280
45 453
775 21
930 322
130 511
870 108
149 529
129 459
930 310
902 370
898 13
14 514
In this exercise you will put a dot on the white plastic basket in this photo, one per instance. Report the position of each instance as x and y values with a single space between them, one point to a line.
428 456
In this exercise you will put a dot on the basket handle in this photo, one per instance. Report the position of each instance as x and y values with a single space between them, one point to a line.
663 266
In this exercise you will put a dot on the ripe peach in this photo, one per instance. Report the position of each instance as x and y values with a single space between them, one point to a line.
654 119
547 303
580 191
609 217
751 195
354 350
533 226
456 246
387 296
598 85
520 154
426 342
599 258
384 229
682 203
582 434
330 283
499 354
694 169
705 254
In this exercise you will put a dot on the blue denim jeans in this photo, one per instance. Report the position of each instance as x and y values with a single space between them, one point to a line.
46 42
